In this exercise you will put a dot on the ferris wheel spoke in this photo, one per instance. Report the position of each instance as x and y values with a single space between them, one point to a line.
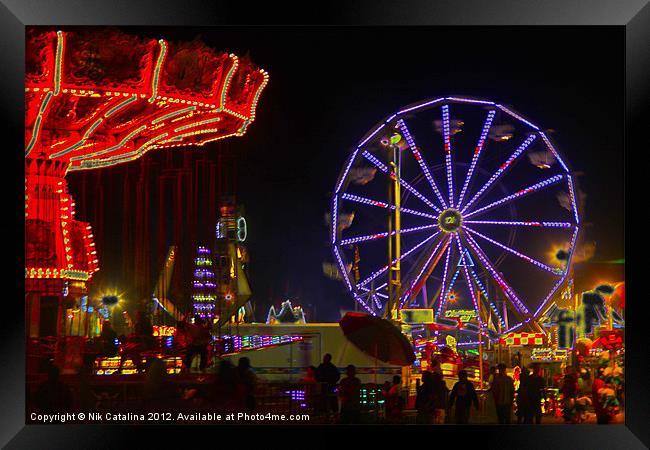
360 300
441 306
477 153
384 234
486 296
470 285
500 171
384 168
371 202
561 280
520 224
526 258
510 293
418 157
444 277
448 161
424 268
404 255
529 190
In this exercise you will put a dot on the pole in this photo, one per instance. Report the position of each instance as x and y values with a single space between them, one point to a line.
394 273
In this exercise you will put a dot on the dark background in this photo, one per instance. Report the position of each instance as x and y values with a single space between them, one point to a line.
329 86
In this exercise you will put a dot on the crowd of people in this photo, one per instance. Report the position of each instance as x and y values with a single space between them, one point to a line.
337 398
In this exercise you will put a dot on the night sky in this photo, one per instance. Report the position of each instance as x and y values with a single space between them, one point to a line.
329 86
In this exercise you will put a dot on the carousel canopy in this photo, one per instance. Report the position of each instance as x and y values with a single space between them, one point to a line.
99 97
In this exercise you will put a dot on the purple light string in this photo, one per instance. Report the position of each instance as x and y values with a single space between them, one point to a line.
520 224
421 105
347 169
518 194
566 271
517 116
444 277
417 279
384 234
377 203
557 156
423 166
471 287
515 252
501 170
447 141
573 199
495 275
477 153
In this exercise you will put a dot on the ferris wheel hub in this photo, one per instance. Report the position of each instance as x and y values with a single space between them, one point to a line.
450 220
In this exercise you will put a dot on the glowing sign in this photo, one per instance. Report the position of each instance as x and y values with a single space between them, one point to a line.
242 229
463 315
419 315
523 339
548 354
163 330
451 342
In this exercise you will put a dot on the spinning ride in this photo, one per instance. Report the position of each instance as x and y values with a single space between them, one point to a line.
455 199
99 97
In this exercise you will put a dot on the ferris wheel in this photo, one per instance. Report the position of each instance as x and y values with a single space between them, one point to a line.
453 204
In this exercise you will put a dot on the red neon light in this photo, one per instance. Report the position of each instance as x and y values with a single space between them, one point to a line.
99 98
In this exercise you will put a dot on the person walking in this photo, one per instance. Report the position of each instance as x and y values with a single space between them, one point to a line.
440 395
503 391
52 395
227 393
523 398
248 381
394 402
536 387
108 338
349 392
424 399
464 396
199 338
329 374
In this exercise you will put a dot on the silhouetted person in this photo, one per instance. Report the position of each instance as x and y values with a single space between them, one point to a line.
199 338
598 387
536 386
248 380
159 393
329 374
310 375
569 393
108 339
138 342
440 397
144 330
524 414
463 395
85 399
394 403
228 394
503 391
53 396
349 392
424 399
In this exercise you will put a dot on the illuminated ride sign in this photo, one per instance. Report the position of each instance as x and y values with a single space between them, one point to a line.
462 315
417 315
548 354
523 339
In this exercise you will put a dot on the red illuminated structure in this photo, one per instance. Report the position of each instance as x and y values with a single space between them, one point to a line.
96 98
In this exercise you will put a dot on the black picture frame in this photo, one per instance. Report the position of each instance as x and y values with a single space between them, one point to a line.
633 15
